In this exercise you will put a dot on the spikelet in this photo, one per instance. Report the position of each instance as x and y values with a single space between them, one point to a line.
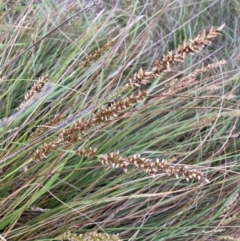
231 113
140 78
53 122
102 116
97 54
176 85
187 48
229 238
46 148
111 111
204 122
92 236
208 68
152 167
86 152
36 88
70 135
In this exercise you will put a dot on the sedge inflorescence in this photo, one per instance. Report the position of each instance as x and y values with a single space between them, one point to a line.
152 167
79 129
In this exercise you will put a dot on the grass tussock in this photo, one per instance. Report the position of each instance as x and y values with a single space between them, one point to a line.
119 121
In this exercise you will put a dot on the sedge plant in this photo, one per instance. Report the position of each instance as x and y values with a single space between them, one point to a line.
109 131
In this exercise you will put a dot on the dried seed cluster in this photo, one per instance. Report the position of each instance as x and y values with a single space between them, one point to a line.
188 48
111 111
97 54
207 121
208 68
228 238
70 134
36 88
104 115
176 85
140 78
114 160
93 236
53 122
46 148
86 152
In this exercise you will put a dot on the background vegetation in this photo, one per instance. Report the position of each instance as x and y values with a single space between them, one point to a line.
88 61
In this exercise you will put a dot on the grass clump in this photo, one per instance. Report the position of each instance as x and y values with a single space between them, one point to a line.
86 93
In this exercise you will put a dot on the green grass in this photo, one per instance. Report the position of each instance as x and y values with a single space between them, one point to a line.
198 126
